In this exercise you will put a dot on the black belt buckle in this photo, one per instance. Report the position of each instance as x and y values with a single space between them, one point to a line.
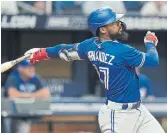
125 106
134 106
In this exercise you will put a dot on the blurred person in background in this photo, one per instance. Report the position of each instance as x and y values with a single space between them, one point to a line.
40 5
9 7
24 83
154 8
68 7
37 7
117 6
133 6
145 86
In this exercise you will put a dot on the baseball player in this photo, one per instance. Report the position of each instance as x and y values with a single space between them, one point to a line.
115 63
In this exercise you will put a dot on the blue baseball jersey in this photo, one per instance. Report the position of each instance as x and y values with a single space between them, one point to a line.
115 63
15 81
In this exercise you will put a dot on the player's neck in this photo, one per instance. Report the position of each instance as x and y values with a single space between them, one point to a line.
104 38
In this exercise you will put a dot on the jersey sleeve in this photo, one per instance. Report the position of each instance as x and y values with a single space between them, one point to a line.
151 57
11 82
76 50
81 49
53 52
133 57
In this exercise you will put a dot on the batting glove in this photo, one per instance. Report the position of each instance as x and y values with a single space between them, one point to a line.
151 38
37 54
63 54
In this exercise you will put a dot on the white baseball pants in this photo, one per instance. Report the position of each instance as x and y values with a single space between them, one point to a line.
127 121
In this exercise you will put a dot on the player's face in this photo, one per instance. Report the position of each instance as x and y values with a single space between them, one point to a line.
114 28
116 31
28 71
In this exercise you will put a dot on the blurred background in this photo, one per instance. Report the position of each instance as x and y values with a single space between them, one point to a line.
67 96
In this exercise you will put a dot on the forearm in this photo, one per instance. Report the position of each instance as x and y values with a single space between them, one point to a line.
54 51
151 57
13 93
43 93
38 54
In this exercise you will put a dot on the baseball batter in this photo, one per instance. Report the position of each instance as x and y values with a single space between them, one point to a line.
115 63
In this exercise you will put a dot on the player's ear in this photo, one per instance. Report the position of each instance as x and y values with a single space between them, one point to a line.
102 30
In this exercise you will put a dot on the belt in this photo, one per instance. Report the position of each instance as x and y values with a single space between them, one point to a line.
123 106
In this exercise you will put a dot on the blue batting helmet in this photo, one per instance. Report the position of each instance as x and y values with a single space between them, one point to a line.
101 17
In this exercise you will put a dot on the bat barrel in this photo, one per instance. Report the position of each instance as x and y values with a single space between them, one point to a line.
7 65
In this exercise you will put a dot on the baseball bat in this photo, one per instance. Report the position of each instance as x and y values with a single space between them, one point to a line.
7 65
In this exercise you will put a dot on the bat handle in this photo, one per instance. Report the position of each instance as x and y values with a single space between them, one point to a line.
27 56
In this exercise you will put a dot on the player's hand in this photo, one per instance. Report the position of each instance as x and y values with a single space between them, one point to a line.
37 54
31 51
63 54
151 37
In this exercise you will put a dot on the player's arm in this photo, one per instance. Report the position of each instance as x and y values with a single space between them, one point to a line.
64 51
14 93
11 86
41 92
151 57
77 51
38 54
135 58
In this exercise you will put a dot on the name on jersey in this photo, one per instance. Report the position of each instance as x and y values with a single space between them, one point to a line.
100 56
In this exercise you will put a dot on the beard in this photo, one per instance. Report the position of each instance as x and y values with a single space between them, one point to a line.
123 36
